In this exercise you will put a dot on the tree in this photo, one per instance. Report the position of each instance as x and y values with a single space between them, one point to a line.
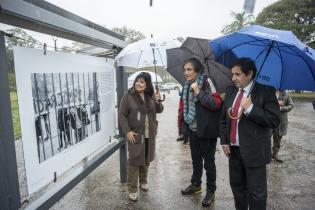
131 35
76 46
241 20
19 38
297 16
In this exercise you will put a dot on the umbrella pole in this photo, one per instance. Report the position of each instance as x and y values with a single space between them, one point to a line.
156 82
262 65
251 88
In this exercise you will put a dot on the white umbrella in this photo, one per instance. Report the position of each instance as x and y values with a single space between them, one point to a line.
146 53
153 75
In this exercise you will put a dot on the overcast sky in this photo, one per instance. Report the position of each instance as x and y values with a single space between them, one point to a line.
167 18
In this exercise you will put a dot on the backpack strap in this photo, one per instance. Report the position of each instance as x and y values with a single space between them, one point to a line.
207 82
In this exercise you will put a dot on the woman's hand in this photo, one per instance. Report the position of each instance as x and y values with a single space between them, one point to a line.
131 136
157 97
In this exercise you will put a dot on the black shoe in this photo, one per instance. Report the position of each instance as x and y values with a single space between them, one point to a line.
276 157
191 189
180 138
208 199
185 143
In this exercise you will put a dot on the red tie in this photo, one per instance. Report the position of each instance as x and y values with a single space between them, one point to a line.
233 124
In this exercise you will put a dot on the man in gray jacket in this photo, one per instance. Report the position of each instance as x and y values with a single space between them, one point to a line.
286 105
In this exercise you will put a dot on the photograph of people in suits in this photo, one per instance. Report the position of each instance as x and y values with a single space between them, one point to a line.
67 108
250 112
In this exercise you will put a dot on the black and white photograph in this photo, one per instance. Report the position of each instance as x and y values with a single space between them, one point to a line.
67 109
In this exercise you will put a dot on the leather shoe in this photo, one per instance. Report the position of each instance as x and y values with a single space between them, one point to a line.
276 157
208 199
133 196
191 189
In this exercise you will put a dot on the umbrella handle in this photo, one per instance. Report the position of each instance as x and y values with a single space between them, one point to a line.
229 111
163 98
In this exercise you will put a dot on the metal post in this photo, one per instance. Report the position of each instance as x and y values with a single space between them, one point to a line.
9 190
121 79
123 163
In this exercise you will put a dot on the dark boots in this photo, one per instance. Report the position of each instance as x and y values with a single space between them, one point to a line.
208 199
191 189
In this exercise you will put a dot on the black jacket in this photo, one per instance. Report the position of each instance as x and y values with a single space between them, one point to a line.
255 129
208 109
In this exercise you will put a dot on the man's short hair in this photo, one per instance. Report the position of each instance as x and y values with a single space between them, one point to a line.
246 65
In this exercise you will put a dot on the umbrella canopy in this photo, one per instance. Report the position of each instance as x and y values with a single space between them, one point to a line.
146 53
154 77
198 48
282 60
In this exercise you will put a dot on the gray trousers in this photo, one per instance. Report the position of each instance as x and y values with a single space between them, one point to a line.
276 141
138 173
135 174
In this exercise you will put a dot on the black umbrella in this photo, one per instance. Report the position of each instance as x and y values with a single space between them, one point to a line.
198 48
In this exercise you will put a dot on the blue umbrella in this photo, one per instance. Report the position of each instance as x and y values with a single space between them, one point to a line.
282 60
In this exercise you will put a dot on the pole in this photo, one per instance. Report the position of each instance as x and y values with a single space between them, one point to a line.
9 190
154 63
262 65
55 41
121 79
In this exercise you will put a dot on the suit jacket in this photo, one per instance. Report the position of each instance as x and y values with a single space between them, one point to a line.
255 129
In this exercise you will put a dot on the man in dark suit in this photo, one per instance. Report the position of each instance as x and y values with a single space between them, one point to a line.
247 140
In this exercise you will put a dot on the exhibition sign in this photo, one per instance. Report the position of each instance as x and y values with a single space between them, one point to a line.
67 110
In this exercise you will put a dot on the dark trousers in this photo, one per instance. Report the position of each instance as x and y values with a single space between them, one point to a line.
249 184
276 140
202 154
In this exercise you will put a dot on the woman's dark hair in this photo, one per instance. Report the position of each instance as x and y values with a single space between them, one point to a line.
197 65
147 78
148 93
246 65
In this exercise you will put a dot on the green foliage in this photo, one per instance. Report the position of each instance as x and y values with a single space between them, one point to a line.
76 46
131 35
297 16
12 84
15 115
10 59
24 41
240 20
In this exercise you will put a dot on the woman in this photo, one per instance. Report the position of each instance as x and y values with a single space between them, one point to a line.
137 119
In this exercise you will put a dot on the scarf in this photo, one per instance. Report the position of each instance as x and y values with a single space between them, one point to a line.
189 109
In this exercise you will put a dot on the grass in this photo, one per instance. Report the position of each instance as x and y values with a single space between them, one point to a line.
304 95
15 115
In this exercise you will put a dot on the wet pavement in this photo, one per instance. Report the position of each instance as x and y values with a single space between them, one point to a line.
291 185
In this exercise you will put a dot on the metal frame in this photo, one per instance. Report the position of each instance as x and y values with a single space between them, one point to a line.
44 17
41 16
9 190
58 191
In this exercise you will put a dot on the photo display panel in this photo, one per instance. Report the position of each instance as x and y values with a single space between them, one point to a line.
67 110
